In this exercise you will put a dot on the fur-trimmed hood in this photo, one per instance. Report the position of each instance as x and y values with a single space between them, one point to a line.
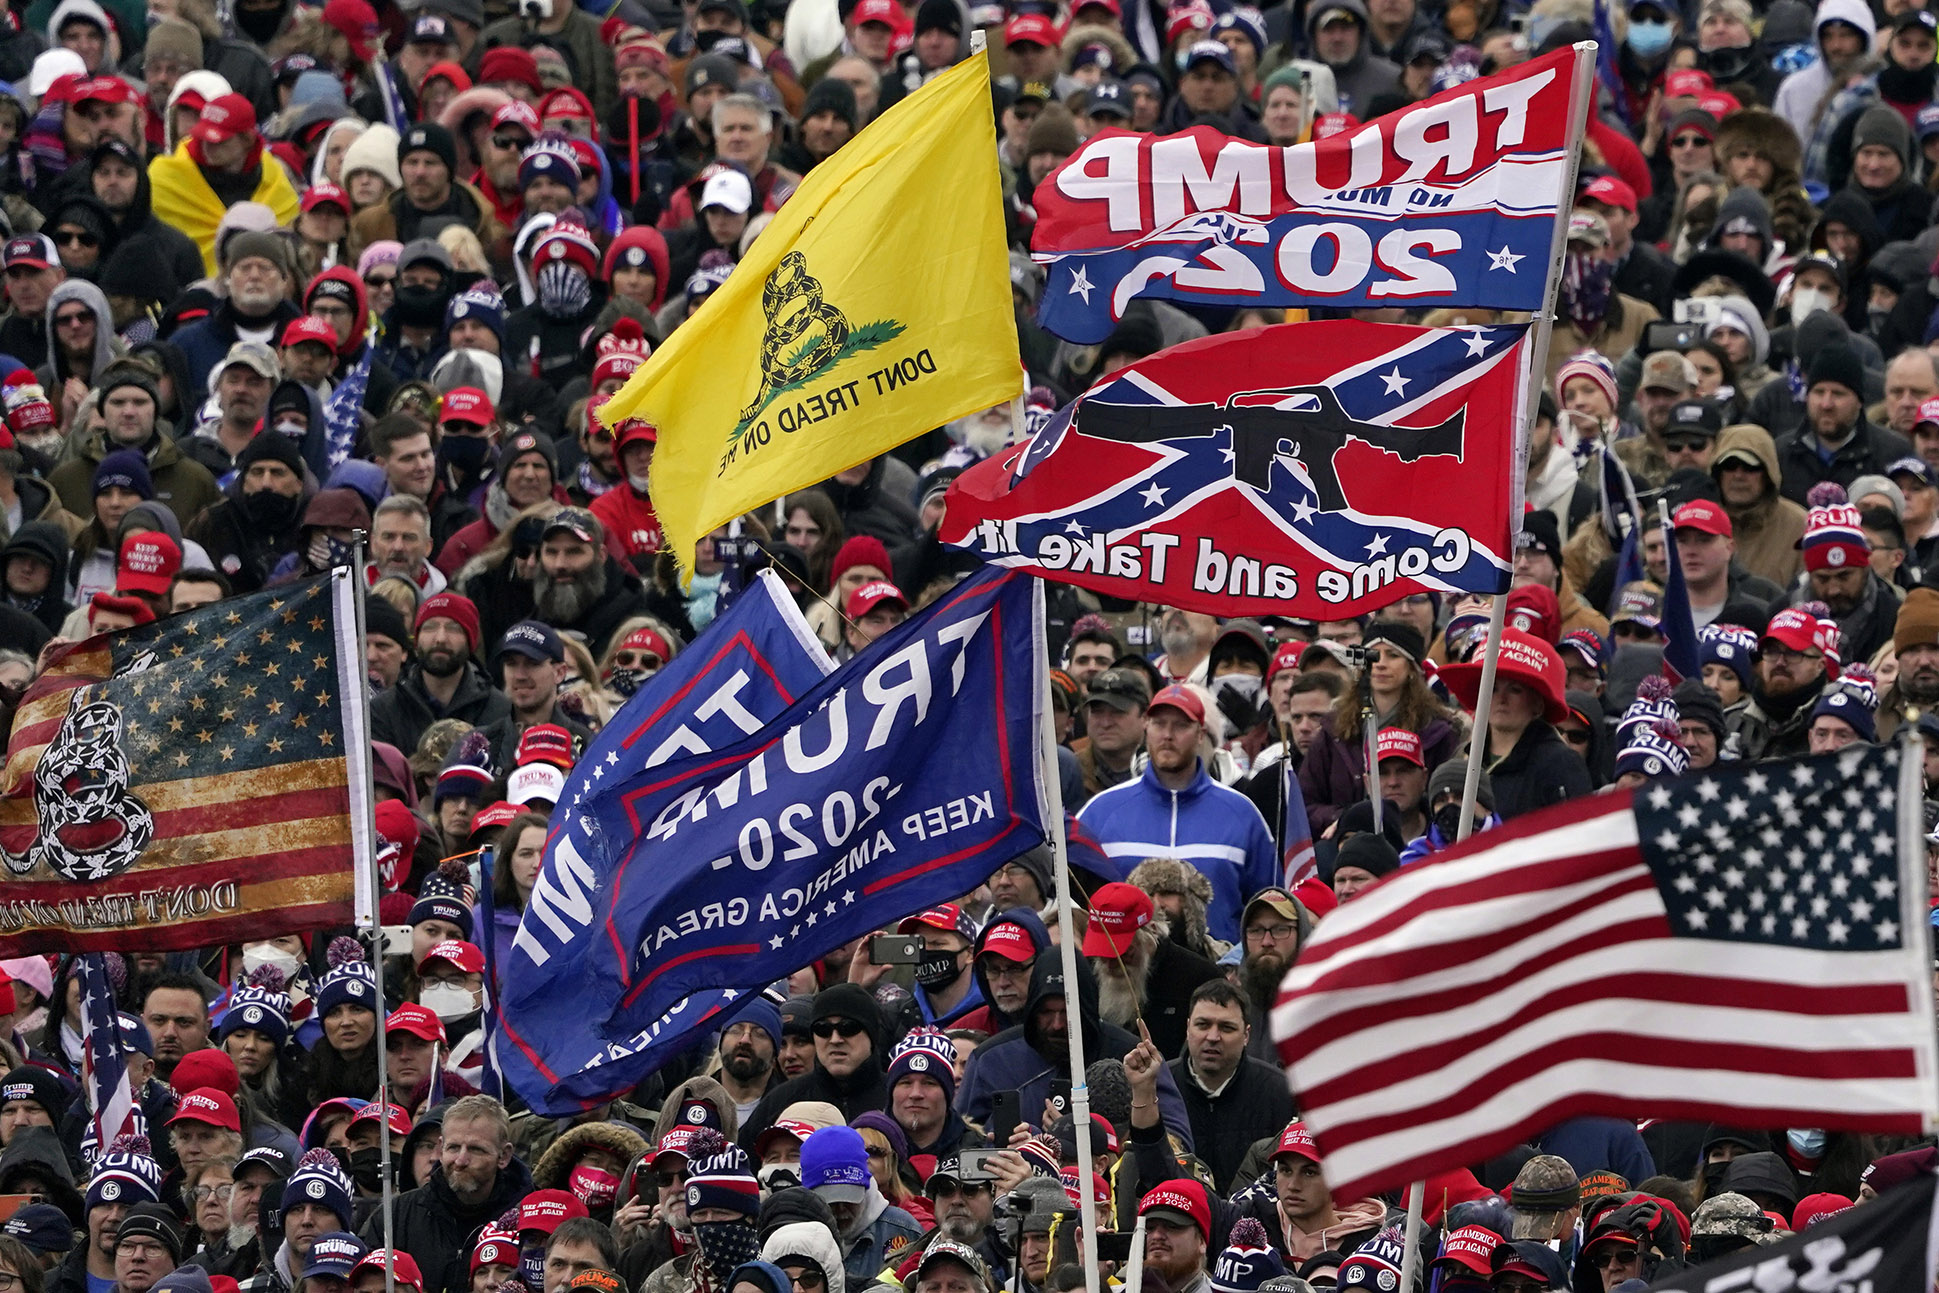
1169 875
1762 131
555 1165
699 1088
1122 55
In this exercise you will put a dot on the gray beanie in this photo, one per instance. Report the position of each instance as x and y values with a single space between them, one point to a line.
272 247
1452 778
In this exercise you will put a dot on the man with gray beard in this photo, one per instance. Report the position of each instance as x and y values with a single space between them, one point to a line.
1141 973
578 587
1187 638
257 271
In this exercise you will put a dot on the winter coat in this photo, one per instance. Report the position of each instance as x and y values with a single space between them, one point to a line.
205 343
1619 332
1176 973
183 199
1600 1145
162 243
1802 94
870 508
1767 531
1254 1102
551 348
245 553
54 372
396 219
1364 77
628 516
1333 775
434 1228
865 1089
1213 827
186 486
38 503
1868 451
1027 1061
1869 625
1761 730
399 716
1540 770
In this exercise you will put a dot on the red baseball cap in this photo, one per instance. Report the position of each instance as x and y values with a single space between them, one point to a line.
223 118
1030 28
1704 515
546 1210
392 1115
307 327
469 405
499 814
1472 1247
517 113
326 194
103 89
401 1263
1297 1140
1928 411
1398 743
1010 941
148 563
947 917
417 1021
1611 192
1181 698
459 955
886 12
1118 912
1286 657
1718 103
207 1105
545 743
871 595
1795 629
1687 82
632 429
1182 1197
1329 124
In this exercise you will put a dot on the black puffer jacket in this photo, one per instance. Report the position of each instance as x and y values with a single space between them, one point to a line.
1540 770
436 1229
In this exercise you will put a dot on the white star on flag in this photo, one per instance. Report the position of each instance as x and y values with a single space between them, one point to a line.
1504 259
1396 384
1081 285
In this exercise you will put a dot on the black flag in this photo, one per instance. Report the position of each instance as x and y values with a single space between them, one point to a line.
1881 1245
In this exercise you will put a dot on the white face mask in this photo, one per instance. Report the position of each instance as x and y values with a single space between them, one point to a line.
293 430
1807 301
257 955
448 1001
638 482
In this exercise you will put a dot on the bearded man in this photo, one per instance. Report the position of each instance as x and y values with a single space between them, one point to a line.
1141 973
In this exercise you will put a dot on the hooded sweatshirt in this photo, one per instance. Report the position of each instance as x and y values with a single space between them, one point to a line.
106 348
1767 531
812 1240
1801 95
1364 77
987 1018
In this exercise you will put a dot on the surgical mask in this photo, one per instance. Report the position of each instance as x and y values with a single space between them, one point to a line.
1808 1142
639 483
531 1268
448 1001
327 552
937 970
1648 39
256 955
593 1186
1807 301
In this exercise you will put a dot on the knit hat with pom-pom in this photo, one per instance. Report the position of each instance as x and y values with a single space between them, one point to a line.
1655 750
350 980
1249 1260
1652 705
620 352
720 1176
127 1173
442 897
1834 536
318 1178
467 771
262 1006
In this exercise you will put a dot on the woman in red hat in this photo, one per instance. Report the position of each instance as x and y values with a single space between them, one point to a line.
1528 762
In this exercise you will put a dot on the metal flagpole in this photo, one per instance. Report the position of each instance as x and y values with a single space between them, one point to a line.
373 891
1080 1090
1581 87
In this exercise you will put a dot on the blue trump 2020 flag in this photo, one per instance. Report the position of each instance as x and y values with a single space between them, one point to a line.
755 660
899 781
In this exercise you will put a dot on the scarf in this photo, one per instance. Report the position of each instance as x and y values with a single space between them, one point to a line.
589 484
564 290
724 1246
1587 286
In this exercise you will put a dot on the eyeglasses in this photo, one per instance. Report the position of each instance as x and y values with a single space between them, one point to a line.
76 238
1689 141
141 1247
1274 932
826 1028
204 1193
945 1188
8 1281
807 1280
1576 736
379 280
669 1180
1774 652
71 320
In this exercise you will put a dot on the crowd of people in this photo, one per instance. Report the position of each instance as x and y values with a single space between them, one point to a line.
279 275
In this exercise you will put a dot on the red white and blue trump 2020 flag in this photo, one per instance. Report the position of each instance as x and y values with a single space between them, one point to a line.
1450 202
1747 945
1311 469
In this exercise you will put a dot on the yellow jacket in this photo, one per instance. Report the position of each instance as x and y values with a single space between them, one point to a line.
184 200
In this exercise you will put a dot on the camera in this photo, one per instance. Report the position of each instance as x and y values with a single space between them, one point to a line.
895 949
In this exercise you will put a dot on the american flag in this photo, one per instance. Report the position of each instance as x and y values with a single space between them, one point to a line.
112 1108
1296 834
1747 945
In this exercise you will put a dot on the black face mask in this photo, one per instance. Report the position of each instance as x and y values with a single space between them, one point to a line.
260 24
366 1168
937 970
1900 86
1713 1177
270 510
467 456
1447 820
621 116
421 307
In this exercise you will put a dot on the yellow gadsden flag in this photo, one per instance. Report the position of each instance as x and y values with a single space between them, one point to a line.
874 307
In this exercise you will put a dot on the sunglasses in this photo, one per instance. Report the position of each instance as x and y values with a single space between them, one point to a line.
71 320
379 280
1689 141
826 1028
1611 1256
1684 443
637 660
510 143
75 237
